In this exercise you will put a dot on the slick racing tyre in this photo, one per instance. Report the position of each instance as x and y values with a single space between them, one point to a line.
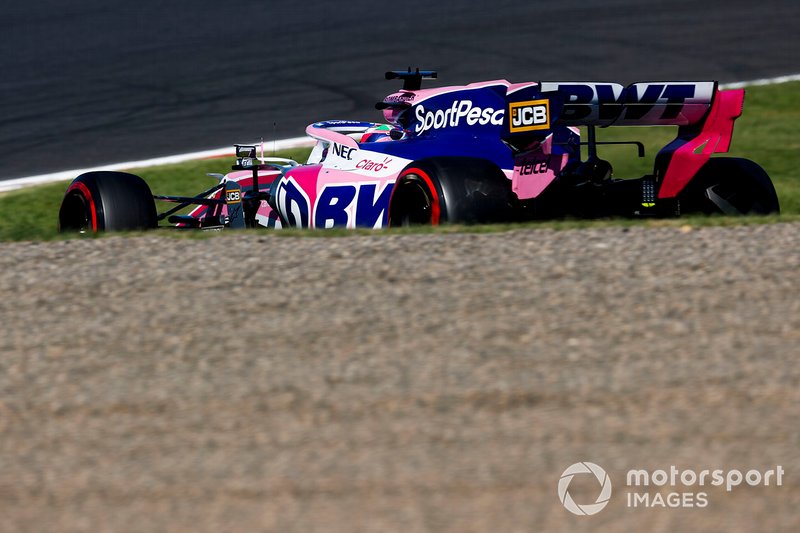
730 186
456 190
107 201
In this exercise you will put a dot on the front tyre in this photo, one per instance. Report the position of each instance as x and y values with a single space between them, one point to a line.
730 186
107 201
457 190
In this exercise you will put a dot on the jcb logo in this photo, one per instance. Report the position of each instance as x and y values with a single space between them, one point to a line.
233 197
529 116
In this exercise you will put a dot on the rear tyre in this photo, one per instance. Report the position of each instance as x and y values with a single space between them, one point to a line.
730 186
456 190
107 201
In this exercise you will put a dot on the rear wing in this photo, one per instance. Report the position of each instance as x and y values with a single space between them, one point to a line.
704 115
671 103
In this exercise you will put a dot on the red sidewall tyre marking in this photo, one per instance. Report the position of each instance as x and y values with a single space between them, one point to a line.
436 211
88 195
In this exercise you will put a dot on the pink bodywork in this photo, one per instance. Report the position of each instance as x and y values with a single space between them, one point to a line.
245 178
312 179
537 169
715 137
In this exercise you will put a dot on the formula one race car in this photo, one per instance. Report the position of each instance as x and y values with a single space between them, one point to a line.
486 152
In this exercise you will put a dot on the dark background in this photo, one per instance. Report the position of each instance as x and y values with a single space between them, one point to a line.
109 81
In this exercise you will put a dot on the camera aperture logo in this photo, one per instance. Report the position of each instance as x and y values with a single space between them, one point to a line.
590 508
645 488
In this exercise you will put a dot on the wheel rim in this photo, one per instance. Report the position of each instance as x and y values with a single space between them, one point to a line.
731 200
75 214
730 187
414 203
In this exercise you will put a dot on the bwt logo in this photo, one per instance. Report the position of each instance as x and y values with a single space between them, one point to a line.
585 509
529 116
346 205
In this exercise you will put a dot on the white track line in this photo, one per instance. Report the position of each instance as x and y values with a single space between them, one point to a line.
284 144
762 81
19 183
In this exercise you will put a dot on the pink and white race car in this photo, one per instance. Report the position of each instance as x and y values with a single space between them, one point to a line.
486 152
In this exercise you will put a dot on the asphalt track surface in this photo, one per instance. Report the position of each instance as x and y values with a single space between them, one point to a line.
94 82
